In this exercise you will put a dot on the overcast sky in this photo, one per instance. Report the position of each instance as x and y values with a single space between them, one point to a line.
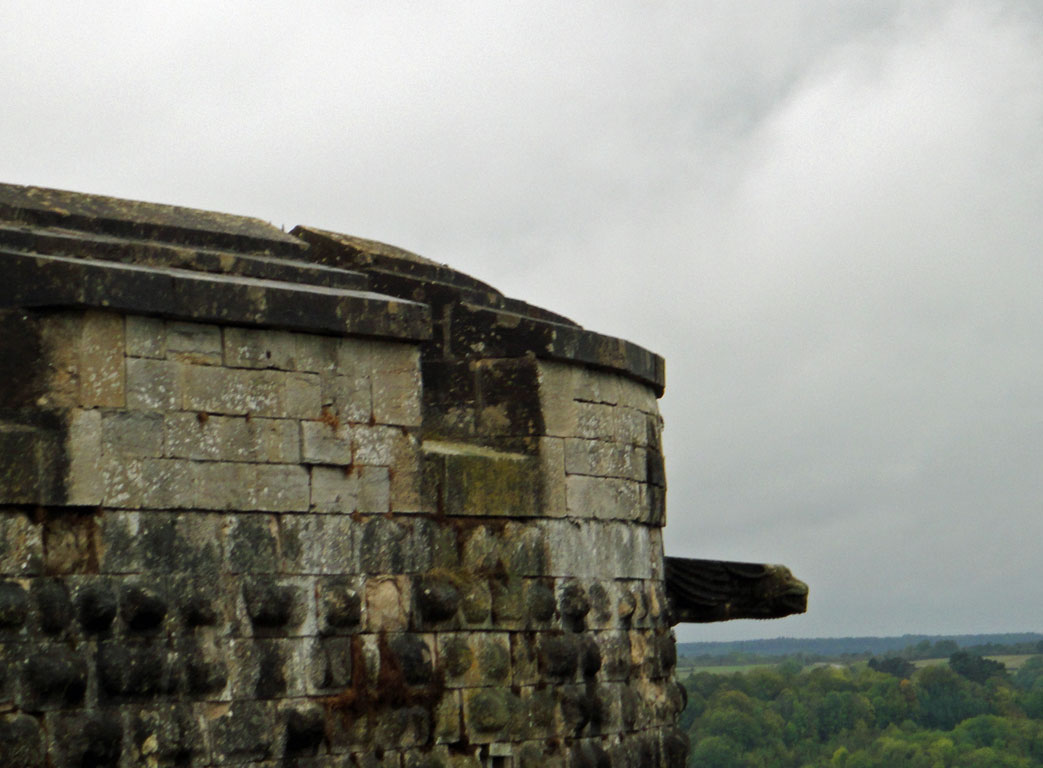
825 215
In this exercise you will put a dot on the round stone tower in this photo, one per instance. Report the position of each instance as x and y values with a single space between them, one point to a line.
306 499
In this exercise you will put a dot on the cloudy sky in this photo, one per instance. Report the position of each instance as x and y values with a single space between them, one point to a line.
825 215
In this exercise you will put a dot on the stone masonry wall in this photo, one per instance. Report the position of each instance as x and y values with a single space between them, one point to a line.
430 539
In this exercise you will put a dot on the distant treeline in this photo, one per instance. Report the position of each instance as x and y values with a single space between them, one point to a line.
906 646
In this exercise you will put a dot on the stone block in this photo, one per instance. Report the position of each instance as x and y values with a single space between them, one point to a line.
85 480
607 498
242 732
491 485
21 545
266 669
304 728
329 664
232 391
132 433
143 606
23 741
194 343
170 734
276 607
326 442
138 671
396 397
490 713
253 544
348 396
154 385
77 738
301 395
257 348
374 490
52 677
387 604
317 354
333 490
101 370
53 606
277 488
69 541
319 544
475 659
145 336
552 476
447 716
604 459
339 604
508 398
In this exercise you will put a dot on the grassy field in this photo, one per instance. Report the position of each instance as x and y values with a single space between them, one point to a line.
1012 662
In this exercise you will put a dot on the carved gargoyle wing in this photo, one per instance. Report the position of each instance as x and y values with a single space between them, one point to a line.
719 590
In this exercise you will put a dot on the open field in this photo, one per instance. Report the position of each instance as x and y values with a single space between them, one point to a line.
1012 661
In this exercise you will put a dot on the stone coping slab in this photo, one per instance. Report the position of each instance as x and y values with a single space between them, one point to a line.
33 280
43 207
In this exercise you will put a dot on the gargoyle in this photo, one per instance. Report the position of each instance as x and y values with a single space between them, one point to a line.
717 590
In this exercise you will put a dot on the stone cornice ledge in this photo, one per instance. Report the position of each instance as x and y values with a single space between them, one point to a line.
33 280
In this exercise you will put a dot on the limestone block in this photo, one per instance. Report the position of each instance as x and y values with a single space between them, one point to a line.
268 668
82 737
374 490
396 396
235 391
167 734
242 732
604 459
472 659
257 348
447 717
325 442
219 484
194 343
253 544
376 445
316 354
21 545
552 471
85 479
607 498
387 604
102 375
489 714
596 386
539 716
145 336
301 395
596 421
276 487
493 484
348 396
329 664
154 385
334 489
132 434
320 544
23 740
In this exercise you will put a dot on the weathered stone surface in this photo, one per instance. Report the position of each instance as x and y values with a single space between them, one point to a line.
22 740
268 517
53 677
96 603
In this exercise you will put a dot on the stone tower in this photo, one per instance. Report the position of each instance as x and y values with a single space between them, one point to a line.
304 499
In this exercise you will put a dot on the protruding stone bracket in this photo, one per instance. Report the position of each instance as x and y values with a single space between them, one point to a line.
703 591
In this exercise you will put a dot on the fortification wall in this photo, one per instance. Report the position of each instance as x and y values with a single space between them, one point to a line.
271 500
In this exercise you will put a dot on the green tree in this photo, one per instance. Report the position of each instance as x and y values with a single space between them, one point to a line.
716 752
944 698
976 668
